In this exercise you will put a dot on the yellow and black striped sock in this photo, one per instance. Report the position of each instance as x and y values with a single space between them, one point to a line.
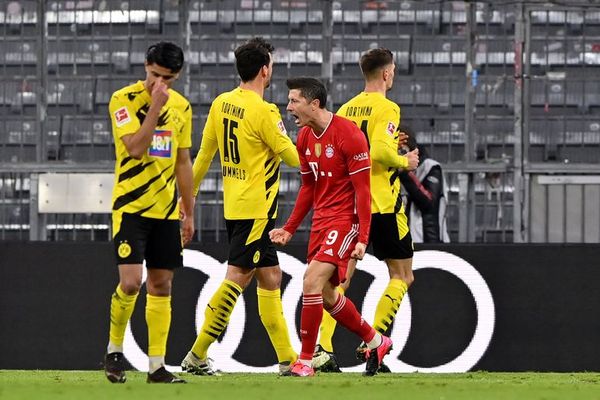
327 328
121 308
158 319
216 316
271 315
388 304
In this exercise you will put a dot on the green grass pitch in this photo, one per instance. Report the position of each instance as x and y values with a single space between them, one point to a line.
346 386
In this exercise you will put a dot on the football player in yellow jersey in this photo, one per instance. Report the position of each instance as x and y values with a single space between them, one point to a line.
379 118
252 141
152 127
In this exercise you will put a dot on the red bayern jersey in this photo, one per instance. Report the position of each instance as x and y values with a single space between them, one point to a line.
328 163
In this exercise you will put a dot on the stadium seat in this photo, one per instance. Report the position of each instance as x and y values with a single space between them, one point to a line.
495 138
52 137
18 16
442 50
106 86
18 52
495 92
18 140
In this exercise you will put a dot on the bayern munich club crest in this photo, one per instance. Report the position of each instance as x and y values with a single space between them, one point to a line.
329 151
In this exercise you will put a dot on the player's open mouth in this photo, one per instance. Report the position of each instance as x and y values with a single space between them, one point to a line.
296 119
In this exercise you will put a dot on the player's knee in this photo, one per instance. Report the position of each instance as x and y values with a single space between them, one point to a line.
269 278
311 284
130 286
240 276
329 298
159 287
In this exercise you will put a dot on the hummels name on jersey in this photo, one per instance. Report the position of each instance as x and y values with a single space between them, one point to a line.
234 172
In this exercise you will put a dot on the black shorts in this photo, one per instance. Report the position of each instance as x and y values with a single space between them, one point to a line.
390 237
158 241
249 243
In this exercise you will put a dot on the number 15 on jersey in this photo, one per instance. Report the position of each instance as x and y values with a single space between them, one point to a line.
230 141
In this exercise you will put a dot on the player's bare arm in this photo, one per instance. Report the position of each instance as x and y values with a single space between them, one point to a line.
183 172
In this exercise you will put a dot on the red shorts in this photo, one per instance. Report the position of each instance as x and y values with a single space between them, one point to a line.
334 245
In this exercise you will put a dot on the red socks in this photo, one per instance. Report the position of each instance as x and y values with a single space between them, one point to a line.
343 311
312 313
346 314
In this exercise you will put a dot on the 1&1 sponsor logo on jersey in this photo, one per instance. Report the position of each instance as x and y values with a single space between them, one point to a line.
161 144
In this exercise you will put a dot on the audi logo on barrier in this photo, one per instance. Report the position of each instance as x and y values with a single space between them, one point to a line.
222 352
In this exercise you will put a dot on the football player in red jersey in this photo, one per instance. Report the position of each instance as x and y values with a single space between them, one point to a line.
334 164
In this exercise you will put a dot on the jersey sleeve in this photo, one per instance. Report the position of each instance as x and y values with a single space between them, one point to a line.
384 147
185 140
356 151
305 199
301 148
122 116
208 148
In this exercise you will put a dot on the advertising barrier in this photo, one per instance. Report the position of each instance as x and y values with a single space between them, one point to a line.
471 307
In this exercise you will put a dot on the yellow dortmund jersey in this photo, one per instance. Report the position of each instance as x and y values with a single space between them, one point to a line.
250 136
379 119
147 186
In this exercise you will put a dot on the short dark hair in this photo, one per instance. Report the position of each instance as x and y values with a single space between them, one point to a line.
165 54
251 57
413 144
375 59
310 89
412 140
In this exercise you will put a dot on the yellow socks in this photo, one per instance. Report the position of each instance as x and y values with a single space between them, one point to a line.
388 305
216 316
121 308
158 319
271 315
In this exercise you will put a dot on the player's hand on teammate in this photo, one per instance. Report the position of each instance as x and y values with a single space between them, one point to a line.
280 236
160 93
413 159
402 139
359 251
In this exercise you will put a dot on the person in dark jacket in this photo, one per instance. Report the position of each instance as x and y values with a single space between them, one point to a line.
426 196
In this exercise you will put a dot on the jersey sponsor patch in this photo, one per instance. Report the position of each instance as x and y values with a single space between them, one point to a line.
361 156
122 116
391 128
281 127
161 144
